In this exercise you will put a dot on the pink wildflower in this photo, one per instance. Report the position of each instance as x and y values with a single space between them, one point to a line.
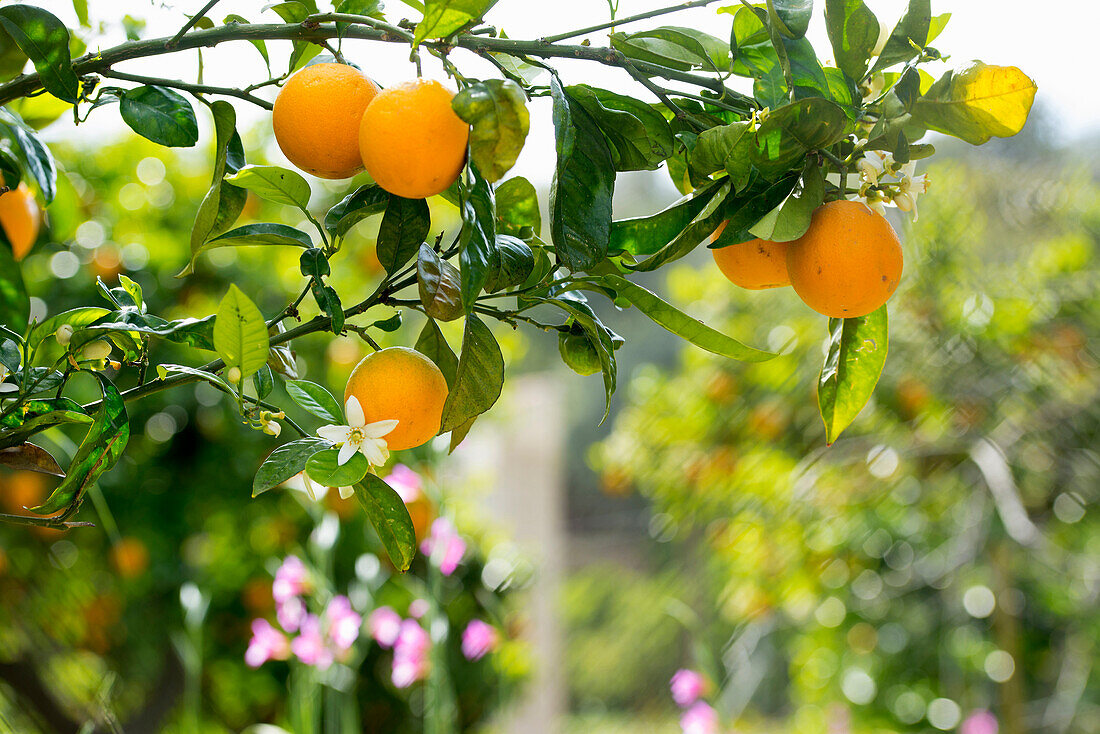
445 546
385 626
290 613
405 482
267 643
418 608
699 719
687 686
410 654
291 579
309 646
344 623
478 639
979 722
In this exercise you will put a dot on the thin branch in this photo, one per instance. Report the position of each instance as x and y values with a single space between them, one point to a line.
187 87
660 94
191 23
628 19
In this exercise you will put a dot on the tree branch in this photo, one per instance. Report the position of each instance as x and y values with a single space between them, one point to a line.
187 87
628 19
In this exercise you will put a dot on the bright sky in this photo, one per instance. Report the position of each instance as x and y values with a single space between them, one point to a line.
1048 45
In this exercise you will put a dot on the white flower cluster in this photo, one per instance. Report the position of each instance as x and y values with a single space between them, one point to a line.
902 192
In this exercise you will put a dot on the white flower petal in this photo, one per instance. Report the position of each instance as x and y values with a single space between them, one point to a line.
346 492
375 451
378 429
8 387
309 486
353 411
336 434
346 452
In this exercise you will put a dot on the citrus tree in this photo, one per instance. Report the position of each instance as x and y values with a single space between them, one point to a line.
805 157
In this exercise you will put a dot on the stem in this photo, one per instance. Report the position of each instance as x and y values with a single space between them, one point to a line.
191 23
628 19
188 87
659 94
292 308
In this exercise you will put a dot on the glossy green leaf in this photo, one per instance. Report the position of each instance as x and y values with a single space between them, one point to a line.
684 326
37 421
251 235
240 333
583 186
403 229
517 207
324 469
853 33
315 399
911 29
280 185
701 226
78 318
638 136
390 518
45 41
791 131
314 264
355 207
32 153
290 12
675 47
161 115
479 378
791 219
977 102
198 333
434 346
328 300
723 147
512 262
29 457
286 461
478 237
263 381
646 235
223 202
15 304
792 17
101 448
11 172
599 337
857 354
444 17
440 285
743 211
497 112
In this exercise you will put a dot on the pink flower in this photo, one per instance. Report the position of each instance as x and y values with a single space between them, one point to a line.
291 579
309 646
687 686
979 722
385 626
445 546
290 613
405 482
267 643
699 719
478 639
410 654
344 623
418 608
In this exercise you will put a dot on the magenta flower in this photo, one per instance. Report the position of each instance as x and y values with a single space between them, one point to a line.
309 646
445 546
687 686
290 613
385 626
478 639
699 719
418 608
344 623
405 482
979 722
267 643
291 579
410 654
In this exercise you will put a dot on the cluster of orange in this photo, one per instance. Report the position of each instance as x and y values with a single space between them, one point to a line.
20 217
847 264
331 120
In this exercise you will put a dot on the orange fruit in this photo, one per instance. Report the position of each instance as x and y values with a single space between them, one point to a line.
130 558
20 217
849 261
756 264
316 119
412 142
400 384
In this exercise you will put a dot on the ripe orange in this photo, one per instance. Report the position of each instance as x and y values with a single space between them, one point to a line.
400 383
756 264
412 142
20 217
849 261
316 119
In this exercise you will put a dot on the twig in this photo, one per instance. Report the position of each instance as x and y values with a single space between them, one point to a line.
191 23
187 87
628 19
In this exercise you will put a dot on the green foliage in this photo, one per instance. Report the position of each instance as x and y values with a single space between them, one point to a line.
45 41
240 334
161 115
857 354
497 112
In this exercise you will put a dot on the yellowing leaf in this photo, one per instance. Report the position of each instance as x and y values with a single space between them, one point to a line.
977 102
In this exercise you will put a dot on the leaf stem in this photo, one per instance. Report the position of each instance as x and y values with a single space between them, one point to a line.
187 87
629 19
191 23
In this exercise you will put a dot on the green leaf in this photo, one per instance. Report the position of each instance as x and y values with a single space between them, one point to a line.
264 382
101 448
911 29
440 285
791 219
198 333
273 183
792 17
11 173
251 235
638 136
389 324
583 186
977 102
478 237
723 147
315 399
599 337
390 518
434 346
15 304
479 378
807 75
853 33
160 115
795 129
45 41
328 300
223 202
675 47
38 422
286 461
28 457
10 356
497 112
314 264
684 326
857 353
444 17
512 262
240 333
701 226
404 226
78 318
518 207
166 369
290 12
323 468
32 153
355 207
750 206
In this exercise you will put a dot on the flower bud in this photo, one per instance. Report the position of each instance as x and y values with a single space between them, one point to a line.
903 201
97 350
64 334
233 375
